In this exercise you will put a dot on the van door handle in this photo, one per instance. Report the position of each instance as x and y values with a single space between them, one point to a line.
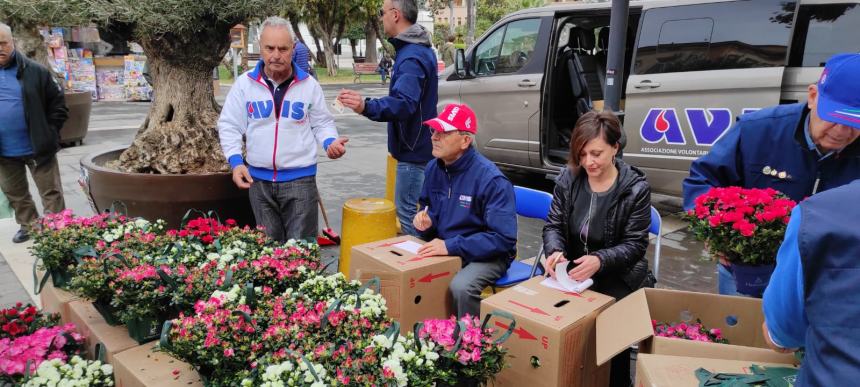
646 84
526 83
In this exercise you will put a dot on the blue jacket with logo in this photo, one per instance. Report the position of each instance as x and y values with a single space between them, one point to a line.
771 139
811 300
472 207
412 97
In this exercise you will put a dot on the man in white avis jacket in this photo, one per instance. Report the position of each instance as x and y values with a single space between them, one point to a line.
281 112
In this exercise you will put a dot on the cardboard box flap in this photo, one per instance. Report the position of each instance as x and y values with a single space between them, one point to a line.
622 325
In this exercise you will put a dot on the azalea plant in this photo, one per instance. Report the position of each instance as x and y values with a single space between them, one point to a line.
46 343
58 236
75 372
290 372
144 291
744 225
688 331
24 320
220 339
472 353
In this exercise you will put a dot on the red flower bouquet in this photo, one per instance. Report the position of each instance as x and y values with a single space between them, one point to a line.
744 225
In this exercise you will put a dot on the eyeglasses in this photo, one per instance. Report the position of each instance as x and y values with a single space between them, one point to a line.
438 134
383 11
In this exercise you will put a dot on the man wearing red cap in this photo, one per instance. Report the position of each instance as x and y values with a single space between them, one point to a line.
468 208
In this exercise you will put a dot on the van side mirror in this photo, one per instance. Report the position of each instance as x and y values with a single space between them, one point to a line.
460 63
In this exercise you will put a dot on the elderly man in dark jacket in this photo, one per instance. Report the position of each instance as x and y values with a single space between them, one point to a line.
32 111
469 209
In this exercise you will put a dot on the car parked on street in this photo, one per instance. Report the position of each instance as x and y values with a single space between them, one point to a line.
691 67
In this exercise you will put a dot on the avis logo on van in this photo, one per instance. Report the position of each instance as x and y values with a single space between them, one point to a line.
706 125
258 110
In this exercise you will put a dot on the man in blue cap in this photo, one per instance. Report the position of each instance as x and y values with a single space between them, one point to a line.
798 149
811 301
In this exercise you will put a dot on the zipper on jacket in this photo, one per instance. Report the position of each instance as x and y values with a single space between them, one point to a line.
450 183
277 122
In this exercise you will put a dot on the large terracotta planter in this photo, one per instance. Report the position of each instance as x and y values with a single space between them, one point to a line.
75 128
167 197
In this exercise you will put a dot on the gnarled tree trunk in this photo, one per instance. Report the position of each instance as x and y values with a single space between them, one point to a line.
180 134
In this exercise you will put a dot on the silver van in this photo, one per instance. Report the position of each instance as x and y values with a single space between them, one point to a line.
691 67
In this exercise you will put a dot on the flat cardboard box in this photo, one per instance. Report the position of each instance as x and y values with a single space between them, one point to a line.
92 325
553 328
142 366
739 318
678 371
415 289
56 301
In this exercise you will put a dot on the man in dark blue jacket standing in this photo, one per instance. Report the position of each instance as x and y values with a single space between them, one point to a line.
798 149
811 300
411 100
468 209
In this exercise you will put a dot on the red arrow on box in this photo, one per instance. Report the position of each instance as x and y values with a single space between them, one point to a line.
416 259
531 309
522 333
430 277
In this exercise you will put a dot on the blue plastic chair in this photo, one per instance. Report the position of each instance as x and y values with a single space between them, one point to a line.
533 204
656 228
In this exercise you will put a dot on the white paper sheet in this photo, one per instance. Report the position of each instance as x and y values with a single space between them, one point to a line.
410 246
564 282
553 284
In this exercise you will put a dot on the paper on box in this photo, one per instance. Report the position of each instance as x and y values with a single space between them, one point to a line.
142 366
90 323
739 318
554 329
678 371
415 288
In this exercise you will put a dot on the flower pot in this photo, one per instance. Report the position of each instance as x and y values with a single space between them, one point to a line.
75 128
61 278
107 311
168 197
144 330
751 280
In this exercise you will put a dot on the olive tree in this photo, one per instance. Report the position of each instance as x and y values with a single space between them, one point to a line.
184 40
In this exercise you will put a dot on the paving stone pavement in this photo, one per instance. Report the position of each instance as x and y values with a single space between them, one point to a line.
360 173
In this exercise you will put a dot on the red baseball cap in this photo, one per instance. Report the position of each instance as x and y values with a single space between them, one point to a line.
455 117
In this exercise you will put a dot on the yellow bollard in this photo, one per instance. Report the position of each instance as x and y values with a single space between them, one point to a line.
390 177
390 180
365 220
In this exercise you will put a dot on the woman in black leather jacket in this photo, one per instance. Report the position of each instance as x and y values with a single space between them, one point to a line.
601 210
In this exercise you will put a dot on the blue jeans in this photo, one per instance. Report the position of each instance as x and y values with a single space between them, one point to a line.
407 188
726 281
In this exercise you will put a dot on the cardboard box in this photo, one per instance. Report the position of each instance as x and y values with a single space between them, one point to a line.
414 288
142 366
739 318
92 325
56 301
677 371
554 329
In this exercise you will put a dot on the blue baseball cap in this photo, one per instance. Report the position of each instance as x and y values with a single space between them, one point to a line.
839 90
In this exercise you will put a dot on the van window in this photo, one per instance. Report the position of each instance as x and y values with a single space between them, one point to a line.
714 36
822 31
507 49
